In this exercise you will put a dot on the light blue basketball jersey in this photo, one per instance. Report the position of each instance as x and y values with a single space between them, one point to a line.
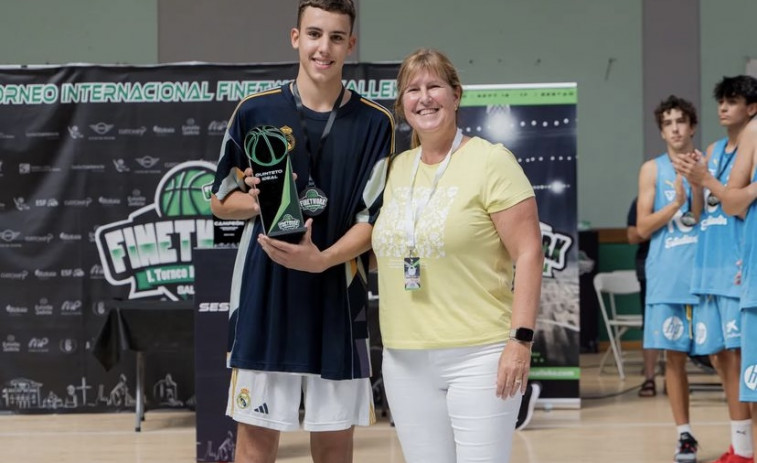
720 236
749 275
672 247
748 389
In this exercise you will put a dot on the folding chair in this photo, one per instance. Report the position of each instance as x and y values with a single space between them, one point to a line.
611 284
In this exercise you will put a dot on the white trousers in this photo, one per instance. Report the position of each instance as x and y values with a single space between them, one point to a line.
444 404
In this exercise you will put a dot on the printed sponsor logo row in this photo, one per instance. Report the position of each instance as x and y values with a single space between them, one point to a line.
134 199
95 272
38 344
104 131
139 165
45 307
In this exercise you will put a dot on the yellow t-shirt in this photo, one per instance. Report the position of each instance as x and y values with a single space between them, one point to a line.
466 273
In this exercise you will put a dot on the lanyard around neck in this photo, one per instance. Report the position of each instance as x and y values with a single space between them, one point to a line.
313 157
722 166
414 212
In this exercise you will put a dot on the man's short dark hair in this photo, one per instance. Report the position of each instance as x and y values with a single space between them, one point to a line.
332 6
674 102
735 87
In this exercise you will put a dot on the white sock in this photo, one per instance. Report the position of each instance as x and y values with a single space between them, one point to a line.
684 428
741 438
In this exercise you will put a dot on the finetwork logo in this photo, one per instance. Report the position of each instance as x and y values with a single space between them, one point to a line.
151 250
556 246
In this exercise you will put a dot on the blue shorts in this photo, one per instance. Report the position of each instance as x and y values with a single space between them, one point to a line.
669 327
748 389
717 324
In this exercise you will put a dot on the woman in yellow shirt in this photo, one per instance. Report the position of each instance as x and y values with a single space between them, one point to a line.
458 214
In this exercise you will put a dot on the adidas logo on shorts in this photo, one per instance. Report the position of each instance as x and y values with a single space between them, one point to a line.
262 409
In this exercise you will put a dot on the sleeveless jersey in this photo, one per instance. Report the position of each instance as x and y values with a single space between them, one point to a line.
749 276
720 235
672 247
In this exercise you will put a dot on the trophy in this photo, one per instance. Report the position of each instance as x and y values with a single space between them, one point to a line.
267 150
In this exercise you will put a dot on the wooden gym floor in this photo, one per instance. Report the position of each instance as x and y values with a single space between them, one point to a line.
611 426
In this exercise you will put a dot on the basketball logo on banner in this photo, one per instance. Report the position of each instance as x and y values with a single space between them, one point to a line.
187 193
151 250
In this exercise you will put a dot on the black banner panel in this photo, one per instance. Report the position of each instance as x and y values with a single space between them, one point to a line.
106 173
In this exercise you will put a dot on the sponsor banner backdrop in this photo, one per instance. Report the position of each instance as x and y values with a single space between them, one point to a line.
105 173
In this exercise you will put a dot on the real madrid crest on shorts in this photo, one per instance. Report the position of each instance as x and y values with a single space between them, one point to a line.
243 398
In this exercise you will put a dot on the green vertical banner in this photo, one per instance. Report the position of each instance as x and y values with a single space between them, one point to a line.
537 122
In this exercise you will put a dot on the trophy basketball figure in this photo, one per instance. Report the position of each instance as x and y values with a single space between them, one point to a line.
267 150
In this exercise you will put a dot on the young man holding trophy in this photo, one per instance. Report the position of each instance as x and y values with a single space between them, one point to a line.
305 164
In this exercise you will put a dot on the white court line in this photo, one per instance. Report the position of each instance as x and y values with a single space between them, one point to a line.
96 433
537 425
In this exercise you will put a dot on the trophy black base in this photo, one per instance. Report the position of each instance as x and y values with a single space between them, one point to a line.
290 236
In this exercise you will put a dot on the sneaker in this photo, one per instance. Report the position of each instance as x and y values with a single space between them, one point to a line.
527 404
726 457
739 459
731 457
686 450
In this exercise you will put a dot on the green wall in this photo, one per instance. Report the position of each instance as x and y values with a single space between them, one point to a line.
594 43
78 31
728 39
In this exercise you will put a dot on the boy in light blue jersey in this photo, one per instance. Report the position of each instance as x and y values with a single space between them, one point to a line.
668 210
718 251
740 198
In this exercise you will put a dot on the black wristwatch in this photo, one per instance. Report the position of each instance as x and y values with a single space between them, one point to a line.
522 334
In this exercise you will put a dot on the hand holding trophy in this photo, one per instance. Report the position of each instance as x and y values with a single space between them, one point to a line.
267 150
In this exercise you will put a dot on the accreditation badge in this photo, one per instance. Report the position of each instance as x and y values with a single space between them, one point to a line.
313 201
412 273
